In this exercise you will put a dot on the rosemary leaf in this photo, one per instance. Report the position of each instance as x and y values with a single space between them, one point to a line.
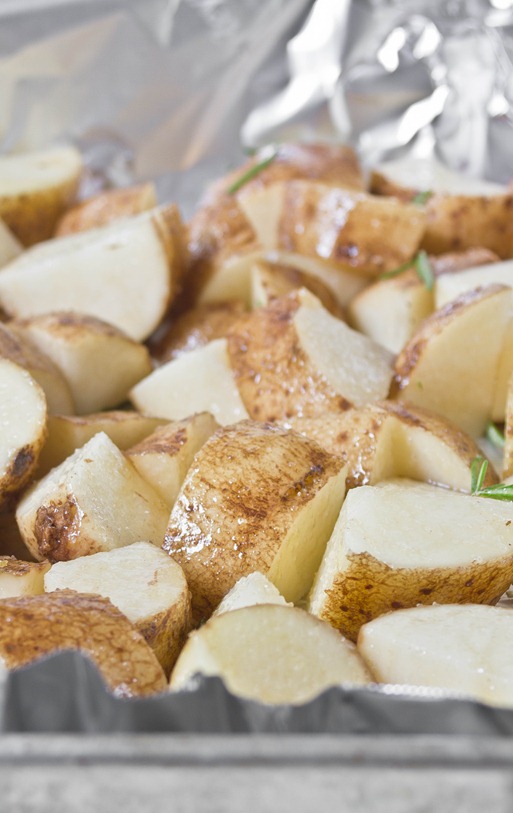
252 172
422 198
424 270
494 435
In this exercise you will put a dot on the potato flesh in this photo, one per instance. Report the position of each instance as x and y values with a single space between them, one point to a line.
431 175
463 648
97 272
35 171
93 501
433 545
248 591
270 653
18 578
10 247
199 381
450 286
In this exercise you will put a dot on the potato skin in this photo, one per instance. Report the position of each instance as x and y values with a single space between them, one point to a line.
167 633
32 216
106 207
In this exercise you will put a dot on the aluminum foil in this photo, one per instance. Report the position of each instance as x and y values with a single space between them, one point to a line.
176 92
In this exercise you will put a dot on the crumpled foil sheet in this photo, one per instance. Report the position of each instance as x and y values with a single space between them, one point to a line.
176 91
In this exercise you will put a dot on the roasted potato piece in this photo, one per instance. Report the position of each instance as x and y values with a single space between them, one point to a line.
94 501
450 286
36 188
18 578
249 591
98 272
67 433
270 281
199 381
10 247
269 499
140 580
448 367
294 358
22 351
164 457
75 342
461 212
23 421
403 543
272 654
34 626
461 648
107 207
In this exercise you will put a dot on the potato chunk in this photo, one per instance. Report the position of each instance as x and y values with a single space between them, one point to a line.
93 501
403 543
462 648
272 654
141 581
10 247
19 578
34 626
106 207
249 591
258 497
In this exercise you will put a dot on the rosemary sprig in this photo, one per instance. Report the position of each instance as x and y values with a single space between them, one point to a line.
494 435
501 491
252 172
421 198
421 265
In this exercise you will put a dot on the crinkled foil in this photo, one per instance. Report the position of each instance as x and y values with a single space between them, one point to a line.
176 92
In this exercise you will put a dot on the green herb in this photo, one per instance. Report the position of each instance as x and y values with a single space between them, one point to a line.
422 197
252 172
421 265
494 435
478 469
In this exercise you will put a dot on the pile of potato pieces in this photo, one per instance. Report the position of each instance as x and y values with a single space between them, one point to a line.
287 503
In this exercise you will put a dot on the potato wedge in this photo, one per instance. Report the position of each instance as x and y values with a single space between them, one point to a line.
249 591
22 351
10 247
67 433
75 342
461 648
270 281
98 272
450 286
23 421
94 501
36 188
448 367
294 358
258 497
193 329
271 654
18 578
34 626
332 224
140 580
401 543
391 310
199 381
461 212
388 439
164 457
107 207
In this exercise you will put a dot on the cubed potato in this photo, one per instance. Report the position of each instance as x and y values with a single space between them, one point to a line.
258 497
461 211
18 578
272 654
99 362
67 433
295 358
249 591
199 381
22 351
448 367
23 420
401 543
140 580
36 188
34 626
461 648
94 501
126 273
270 281
106 207
164 457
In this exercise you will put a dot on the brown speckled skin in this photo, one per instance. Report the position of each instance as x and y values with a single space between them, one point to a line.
237 504
34 626
166 633
274 376
12 566
106 207
333 224
369 588
458 222
455 261
32 217
70 325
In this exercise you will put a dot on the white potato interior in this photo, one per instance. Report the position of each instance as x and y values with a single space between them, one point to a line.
10 247
450 286
34 171
22 414
430 175
248 591
19 578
